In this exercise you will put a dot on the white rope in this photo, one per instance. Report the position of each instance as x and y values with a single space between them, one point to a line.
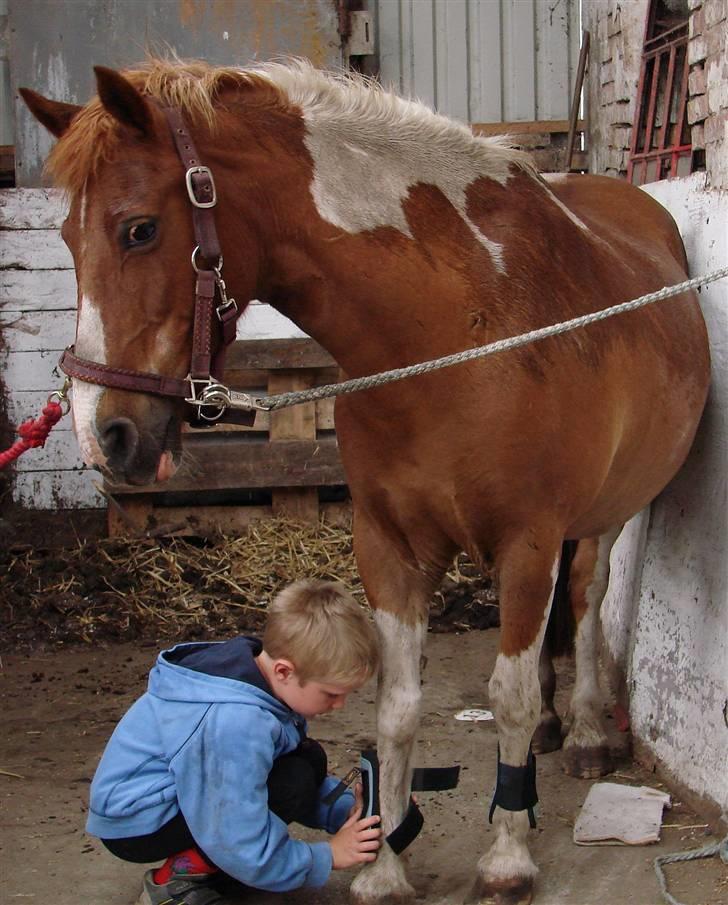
284 400
706 852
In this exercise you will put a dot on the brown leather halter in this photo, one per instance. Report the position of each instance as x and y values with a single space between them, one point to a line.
210 318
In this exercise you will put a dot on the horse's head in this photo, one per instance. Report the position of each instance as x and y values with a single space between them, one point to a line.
130 231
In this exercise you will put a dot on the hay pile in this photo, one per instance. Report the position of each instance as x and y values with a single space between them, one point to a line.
186 588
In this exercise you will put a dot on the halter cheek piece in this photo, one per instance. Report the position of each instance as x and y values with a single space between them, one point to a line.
215 314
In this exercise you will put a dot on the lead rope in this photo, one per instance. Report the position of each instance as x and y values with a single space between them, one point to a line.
716 848
284 400
35 433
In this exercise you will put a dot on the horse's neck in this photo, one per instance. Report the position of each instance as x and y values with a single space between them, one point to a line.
365 245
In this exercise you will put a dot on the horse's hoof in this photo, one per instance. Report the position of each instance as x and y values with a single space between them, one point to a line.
547 736
518 891
392 898
587 763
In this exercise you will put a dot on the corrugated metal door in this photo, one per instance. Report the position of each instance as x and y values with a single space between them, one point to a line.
482 60
55 44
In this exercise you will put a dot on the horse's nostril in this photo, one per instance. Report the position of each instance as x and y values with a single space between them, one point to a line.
119 439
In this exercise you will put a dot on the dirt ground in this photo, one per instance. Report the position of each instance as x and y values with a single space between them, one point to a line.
60 706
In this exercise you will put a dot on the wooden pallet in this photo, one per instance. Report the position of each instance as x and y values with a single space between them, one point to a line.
289 456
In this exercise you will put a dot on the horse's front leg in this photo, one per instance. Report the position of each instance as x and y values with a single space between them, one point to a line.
401 596
528 569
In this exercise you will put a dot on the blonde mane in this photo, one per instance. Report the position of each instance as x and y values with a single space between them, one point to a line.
349 104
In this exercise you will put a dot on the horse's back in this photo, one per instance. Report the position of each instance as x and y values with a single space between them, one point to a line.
619 212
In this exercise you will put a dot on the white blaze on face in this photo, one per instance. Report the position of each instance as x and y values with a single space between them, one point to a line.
90 344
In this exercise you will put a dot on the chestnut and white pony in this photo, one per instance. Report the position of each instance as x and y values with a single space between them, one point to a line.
392 236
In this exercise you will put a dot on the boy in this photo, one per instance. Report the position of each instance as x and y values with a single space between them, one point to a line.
210 764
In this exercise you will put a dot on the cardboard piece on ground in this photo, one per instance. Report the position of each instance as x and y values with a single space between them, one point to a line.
620 815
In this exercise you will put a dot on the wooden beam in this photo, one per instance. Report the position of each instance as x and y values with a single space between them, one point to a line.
532 127
272 354
225 463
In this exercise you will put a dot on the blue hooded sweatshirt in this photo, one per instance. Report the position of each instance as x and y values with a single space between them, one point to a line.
202 740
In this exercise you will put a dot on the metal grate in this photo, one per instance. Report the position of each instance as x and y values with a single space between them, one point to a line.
661 145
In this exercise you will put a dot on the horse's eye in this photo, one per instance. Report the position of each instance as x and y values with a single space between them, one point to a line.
139 233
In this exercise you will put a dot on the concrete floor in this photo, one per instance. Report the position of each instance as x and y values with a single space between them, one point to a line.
59 708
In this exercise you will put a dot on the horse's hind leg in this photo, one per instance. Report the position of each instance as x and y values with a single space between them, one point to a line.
547 736
586 749
399 589
528 568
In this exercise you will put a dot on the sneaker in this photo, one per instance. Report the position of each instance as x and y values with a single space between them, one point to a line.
180 890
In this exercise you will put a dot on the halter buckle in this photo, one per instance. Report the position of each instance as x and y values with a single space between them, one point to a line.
200 171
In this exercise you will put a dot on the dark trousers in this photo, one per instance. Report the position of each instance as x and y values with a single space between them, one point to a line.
293 785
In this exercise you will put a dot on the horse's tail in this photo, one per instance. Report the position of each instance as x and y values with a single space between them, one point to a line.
561 628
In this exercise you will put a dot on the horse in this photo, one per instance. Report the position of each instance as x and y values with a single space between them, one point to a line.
393 235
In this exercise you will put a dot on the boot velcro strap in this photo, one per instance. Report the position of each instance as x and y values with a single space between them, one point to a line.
407 831
435 779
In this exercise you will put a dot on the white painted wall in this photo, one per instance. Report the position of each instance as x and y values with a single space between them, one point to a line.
37 321
666 612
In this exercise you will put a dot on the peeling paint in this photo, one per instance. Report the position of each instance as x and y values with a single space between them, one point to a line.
674 647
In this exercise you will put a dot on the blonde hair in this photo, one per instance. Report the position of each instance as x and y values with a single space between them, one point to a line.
323 631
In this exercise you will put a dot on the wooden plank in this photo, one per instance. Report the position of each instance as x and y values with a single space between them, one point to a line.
31 370
20 406
22 208
60 453
532 126
34 249
295 423
271 354
32 290
57 490
226 463
36 331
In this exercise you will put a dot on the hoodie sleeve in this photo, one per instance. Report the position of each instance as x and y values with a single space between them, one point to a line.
221 775
330 817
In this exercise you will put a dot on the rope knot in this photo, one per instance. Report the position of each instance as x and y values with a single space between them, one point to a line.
35 433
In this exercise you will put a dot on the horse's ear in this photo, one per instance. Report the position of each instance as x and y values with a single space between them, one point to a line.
54 115
123 101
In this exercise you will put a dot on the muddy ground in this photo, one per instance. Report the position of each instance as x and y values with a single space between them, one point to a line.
59 707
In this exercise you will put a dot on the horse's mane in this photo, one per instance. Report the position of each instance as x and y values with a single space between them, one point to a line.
352 104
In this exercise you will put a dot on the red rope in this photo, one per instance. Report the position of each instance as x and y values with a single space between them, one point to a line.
33 433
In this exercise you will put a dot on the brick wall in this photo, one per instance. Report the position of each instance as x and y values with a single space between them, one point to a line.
617 32
708 85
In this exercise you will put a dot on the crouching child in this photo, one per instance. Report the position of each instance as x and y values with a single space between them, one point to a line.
208 767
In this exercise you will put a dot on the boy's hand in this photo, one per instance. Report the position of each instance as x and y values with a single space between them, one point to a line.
358 840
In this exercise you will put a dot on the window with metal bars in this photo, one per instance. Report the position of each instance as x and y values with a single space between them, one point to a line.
661 144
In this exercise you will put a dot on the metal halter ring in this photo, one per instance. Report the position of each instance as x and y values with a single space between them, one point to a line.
217 268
